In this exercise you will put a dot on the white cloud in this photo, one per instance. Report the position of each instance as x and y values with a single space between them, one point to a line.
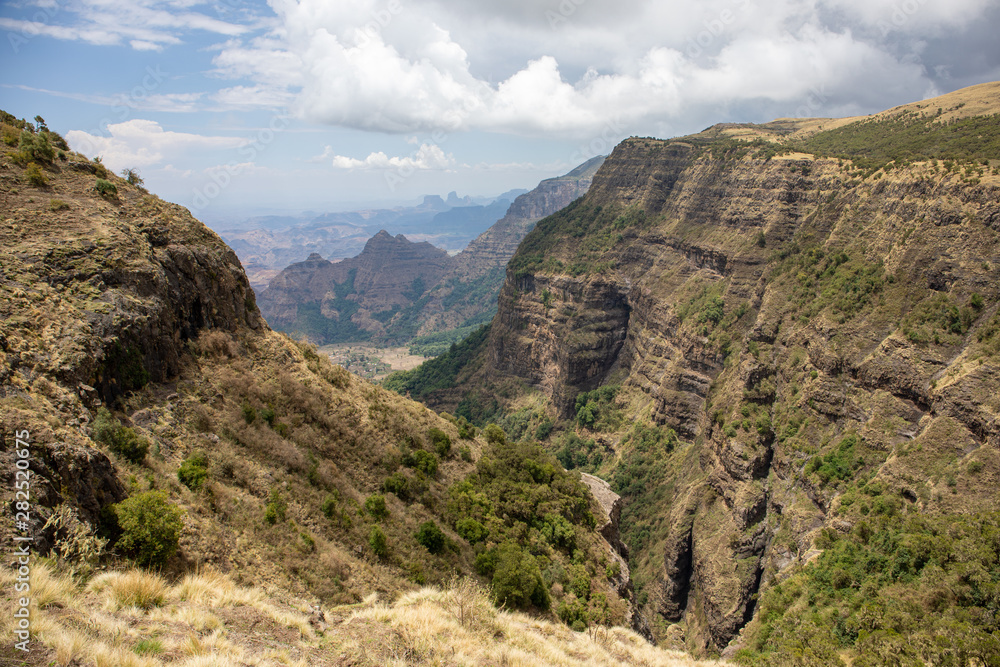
432 64
139 100
142 143
427 157
146 25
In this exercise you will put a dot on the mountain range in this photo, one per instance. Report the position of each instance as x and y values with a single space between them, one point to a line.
268 244
396 289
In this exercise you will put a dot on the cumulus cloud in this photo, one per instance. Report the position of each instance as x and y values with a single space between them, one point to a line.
143 143
567 68
427 157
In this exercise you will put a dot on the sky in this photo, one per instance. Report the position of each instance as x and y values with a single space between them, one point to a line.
236 108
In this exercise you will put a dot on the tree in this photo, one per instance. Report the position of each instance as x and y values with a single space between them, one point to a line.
517 580
150 528
431 537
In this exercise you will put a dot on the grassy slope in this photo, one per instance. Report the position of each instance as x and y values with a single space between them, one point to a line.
138 619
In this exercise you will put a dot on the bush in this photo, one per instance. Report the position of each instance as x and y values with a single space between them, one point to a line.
494 435
106 189
132 177
375 505
150 528
471 530
275 508
193 471
431 537
35 148
517 580
249 412
35 175
465 453
122 440
441 441
377 542
58 205
329 507
425 462
398 484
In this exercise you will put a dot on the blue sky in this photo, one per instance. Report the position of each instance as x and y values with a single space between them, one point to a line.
234 108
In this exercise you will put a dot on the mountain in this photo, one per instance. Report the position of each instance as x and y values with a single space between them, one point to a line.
320 300
781 344
268 244
354 298
185 469
469 293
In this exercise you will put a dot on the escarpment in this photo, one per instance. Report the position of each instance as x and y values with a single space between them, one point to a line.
801 323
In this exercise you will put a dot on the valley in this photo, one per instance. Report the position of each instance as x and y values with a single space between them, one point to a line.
736 402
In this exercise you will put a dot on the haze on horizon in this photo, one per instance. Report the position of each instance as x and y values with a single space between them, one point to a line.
232 107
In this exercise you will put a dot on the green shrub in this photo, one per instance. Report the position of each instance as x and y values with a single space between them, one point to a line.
494 435
465 453
440 440
426 462
122 440
517 579
275 508
58 205
431 537
249 412
35 148
471 530
106 189
329 507
375 505
377 542
35 175
150 528
397 483
193 471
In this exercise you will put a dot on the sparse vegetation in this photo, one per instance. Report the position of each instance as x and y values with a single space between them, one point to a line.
122 440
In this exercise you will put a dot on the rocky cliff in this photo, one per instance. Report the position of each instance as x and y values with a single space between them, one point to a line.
807 346
469 291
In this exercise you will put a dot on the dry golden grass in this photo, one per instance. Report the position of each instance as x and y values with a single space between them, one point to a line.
133 588
137 619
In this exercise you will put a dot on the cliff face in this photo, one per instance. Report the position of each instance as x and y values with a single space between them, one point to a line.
98 295
765 308
469 291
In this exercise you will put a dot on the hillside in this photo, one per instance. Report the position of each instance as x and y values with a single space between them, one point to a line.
139 619
395 289
168 427
781 343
